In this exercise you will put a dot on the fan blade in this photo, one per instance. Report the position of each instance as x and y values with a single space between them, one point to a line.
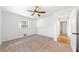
42 12
38 14
30 11
32 14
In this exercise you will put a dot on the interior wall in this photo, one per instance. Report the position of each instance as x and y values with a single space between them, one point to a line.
10 25
0 27
73 28
47 26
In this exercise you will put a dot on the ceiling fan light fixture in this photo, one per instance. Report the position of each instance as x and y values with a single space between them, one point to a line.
36 13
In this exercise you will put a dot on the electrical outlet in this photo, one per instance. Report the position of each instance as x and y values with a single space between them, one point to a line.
24 34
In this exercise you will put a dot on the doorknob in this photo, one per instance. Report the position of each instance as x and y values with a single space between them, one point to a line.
75 33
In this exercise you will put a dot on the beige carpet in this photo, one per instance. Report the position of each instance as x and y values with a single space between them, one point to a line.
34 43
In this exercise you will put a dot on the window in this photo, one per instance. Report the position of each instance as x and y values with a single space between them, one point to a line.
24 24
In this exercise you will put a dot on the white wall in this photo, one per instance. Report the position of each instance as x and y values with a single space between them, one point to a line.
72 28
0 27
10 25
32 27
47 26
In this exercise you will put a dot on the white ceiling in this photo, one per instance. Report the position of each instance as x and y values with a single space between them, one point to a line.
22 10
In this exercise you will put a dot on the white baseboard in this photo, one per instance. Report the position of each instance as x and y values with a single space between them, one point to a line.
46 36
12 38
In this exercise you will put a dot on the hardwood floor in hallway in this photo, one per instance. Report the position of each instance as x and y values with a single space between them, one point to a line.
34 43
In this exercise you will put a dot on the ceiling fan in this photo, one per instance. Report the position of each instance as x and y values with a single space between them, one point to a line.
36 11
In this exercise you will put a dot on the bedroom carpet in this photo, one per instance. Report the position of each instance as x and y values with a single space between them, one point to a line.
34 43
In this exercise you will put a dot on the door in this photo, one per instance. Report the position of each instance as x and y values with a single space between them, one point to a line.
77 32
